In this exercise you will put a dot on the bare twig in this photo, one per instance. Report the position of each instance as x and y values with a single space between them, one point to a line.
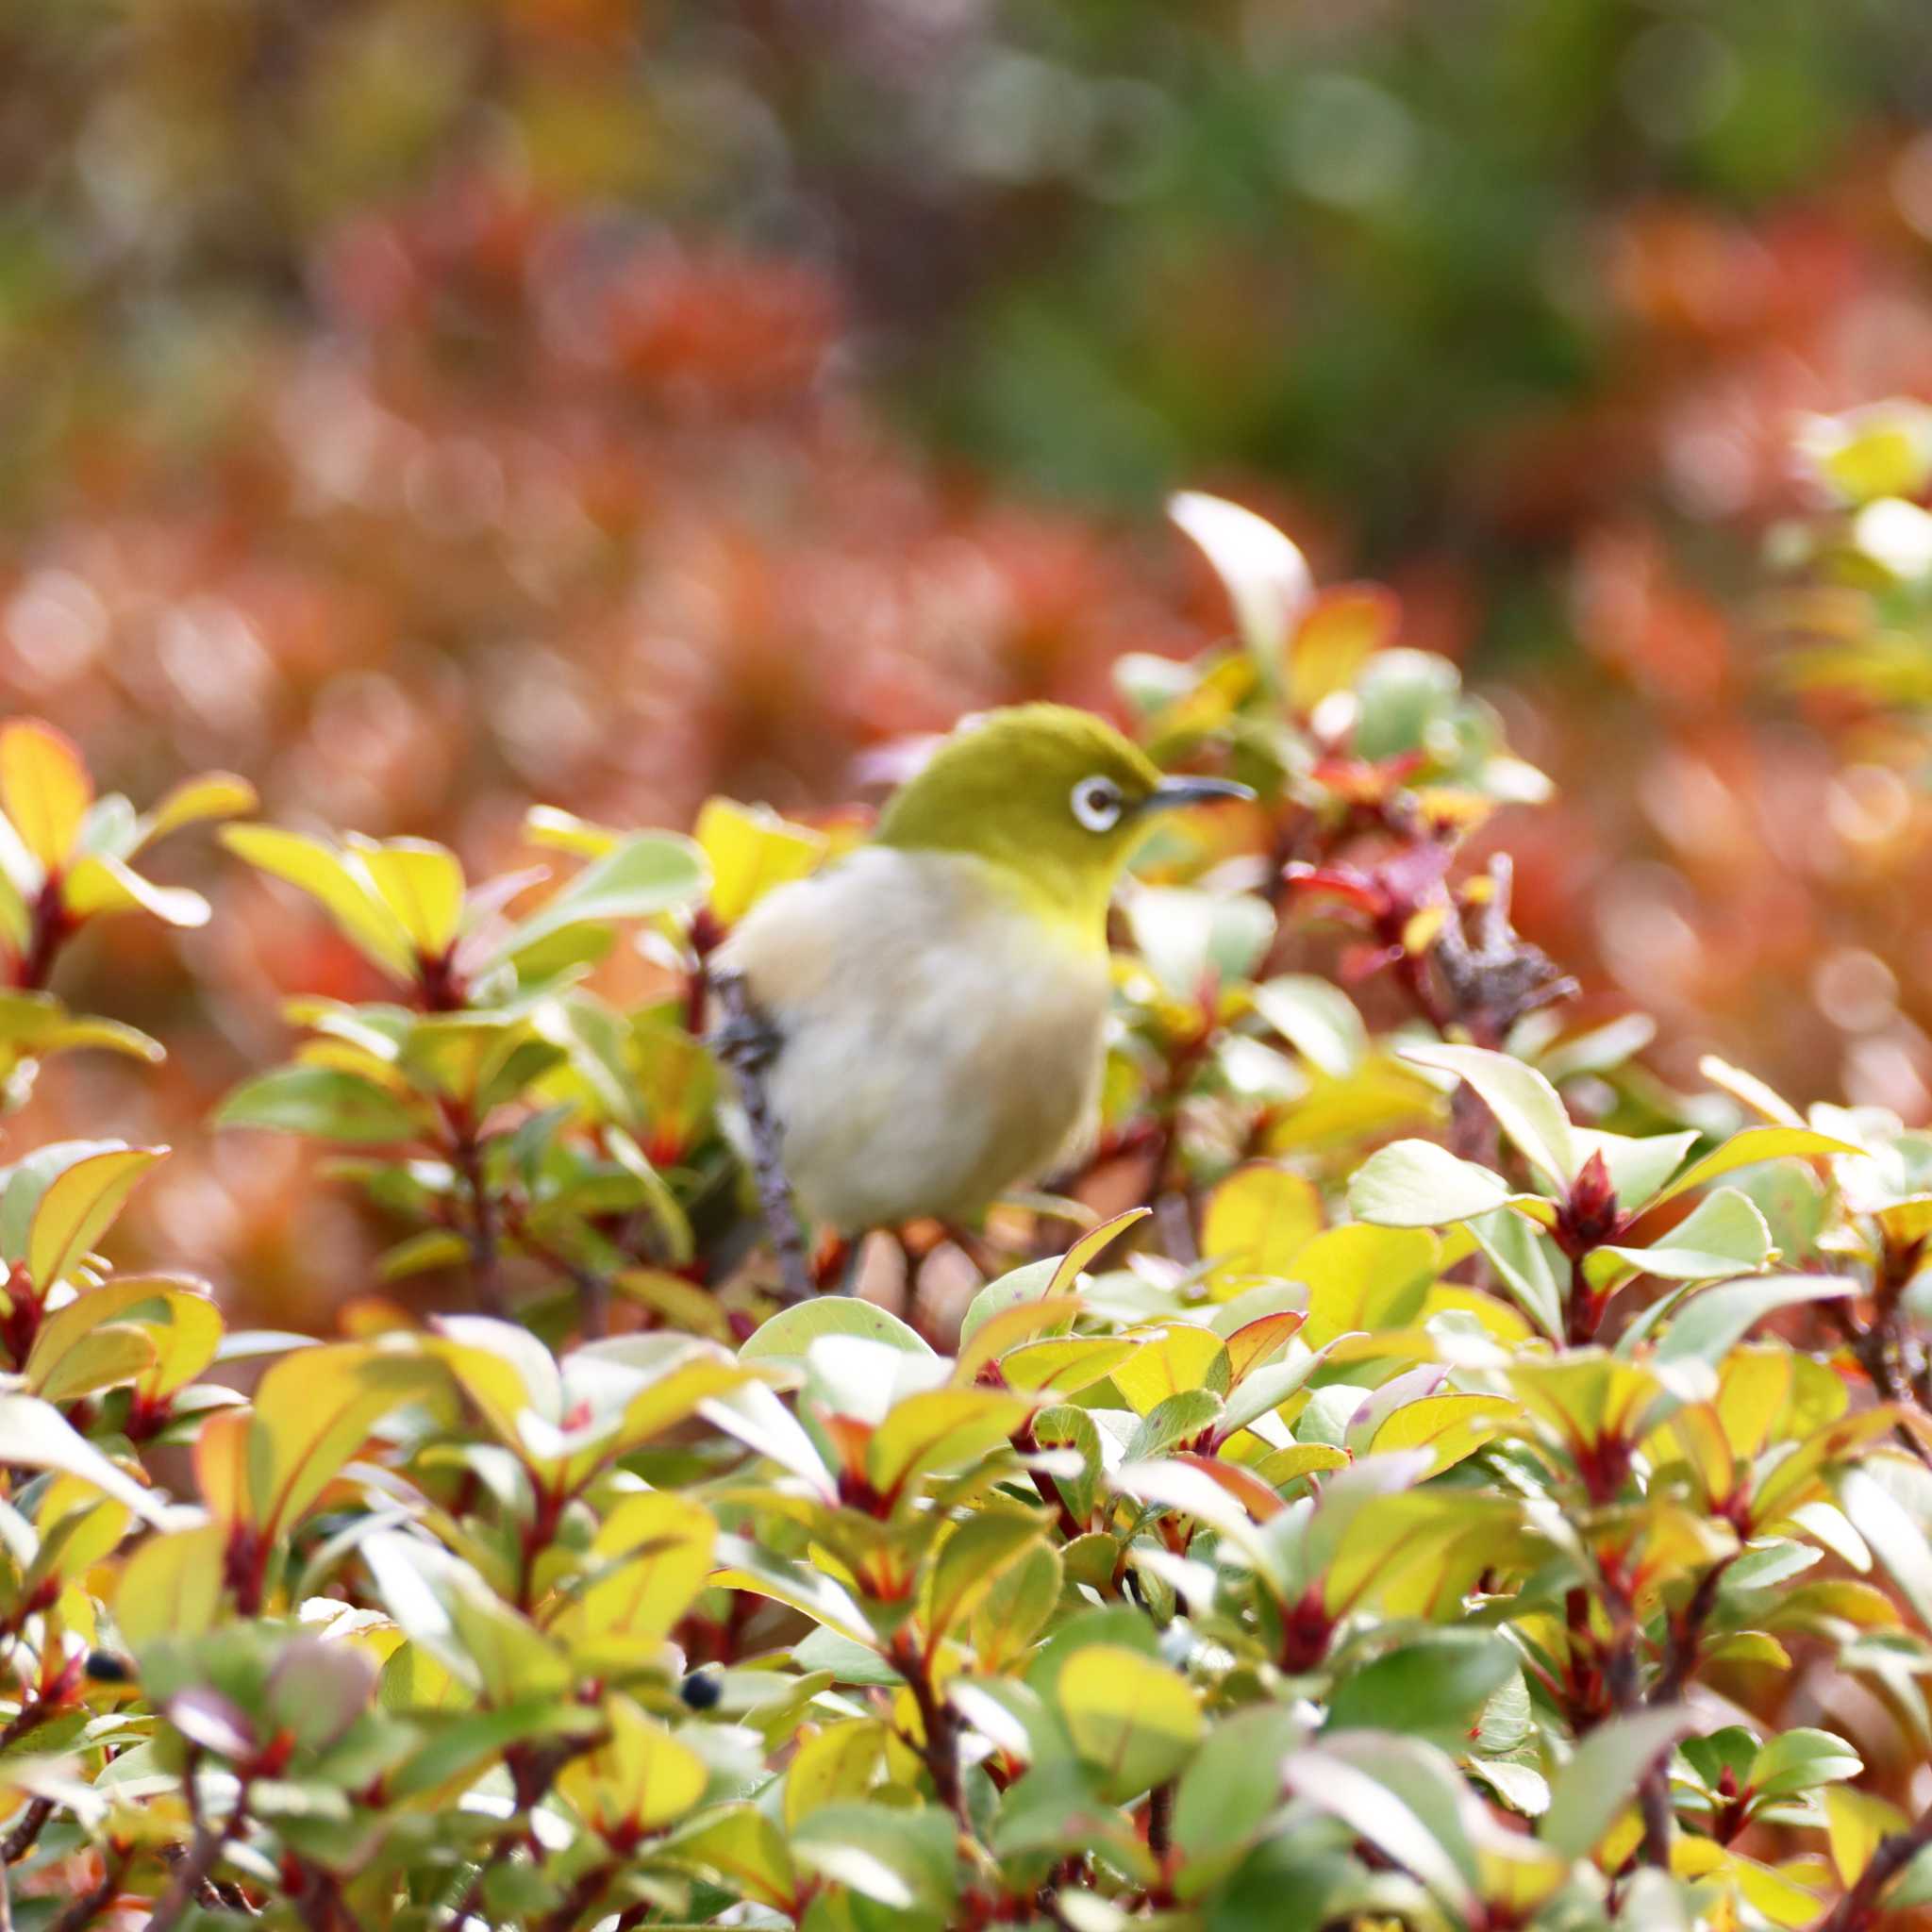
26 1834
744 1042
1654 1790
195 1870
88 1905
486 1261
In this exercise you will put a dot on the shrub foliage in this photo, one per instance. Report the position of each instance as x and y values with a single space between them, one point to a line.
1399 1511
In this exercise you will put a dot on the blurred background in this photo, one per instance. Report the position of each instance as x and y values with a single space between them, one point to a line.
426 406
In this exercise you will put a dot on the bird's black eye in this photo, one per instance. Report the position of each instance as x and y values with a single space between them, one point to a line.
1097 804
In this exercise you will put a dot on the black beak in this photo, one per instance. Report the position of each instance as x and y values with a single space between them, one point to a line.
1172 792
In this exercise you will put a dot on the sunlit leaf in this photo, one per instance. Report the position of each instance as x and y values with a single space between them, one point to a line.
45 789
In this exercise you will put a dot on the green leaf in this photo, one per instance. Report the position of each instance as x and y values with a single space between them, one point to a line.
319 1101
38 1436
1431 1689
971 1559
1800 1760
1191 940
1602 1777
901 1859
1528 1108
1711 1323
1525 1260
1724 1234
1387 1796
1134 1720
1316 1018
1177 1419
1418 1184
1233 1787
789 1334
742 1847
648 873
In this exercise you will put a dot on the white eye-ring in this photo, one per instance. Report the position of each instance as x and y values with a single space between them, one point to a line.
1097 804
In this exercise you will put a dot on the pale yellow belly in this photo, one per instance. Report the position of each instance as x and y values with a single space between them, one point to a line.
939 1045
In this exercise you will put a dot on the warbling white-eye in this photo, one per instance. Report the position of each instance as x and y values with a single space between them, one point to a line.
930 1010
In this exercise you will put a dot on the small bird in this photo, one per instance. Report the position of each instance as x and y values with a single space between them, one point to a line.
929 1012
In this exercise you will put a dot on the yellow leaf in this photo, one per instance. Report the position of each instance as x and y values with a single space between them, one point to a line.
1135 1720
1285 1466
97 1526
221 1464
350 900
1746 1149
99 883
1360 1276
312 1411
661 1546
81 1357
941 1428
974 1554
182 1330
839 1763
212 795
421 883
751 850
1066 1362
170 1587
638 1780
44 788
1449 1426
1072 1264
1339 631
1781 1901
1855 1824
999 1336
78 1207
745 1848
1257 1220
1177 1357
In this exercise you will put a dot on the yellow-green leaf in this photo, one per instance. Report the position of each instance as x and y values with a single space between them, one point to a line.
640 1780
170 1587
312 1413
101 883
212 795
1748 1148
44 788
1857 1824
839 1763
659 1549
347 895
1134 1720
78 1207
421 883
1257 1220
751 850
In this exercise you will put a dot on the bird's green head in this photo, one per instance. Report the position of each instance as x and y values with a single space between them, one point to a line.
1054 795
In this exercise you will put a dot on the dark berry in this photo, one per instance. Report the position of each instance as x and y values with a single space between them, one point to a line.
700 1691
